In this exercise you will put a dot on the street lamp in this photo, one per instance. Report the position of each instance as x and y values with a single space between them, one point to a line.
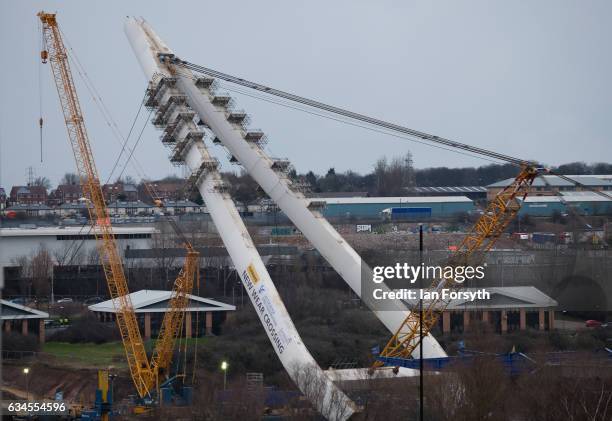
26 371
224 366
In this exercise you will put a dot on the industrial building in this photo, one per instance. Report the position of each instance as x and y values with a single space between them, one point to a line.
584 203
548 185
472 192
372 207
60 241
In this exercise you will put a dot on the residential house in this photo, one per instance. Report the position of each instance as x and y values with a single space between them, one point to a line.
65 193
162 190
120 191
28 195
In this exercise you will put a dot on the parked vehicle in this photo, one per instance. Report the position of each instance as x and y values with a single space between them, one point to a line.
594 323
92 300
64 301
406 213
19 300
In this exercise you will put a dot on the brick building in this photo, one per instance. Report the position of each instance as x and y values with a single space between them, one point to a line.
27 195
65 193
120 191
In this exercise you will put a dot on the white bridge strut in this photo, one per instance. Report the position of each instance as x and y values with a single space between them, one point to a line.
181 133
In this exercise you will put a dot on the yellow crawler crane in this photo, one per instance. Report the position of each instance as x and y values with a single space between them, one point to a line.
482 236
145 374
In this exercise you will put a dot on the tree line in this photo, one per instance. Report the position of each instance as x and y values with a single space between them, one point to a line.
397 176
389 177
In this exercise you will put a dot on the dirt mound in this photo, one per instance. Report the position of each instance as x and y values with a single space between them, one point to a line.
78 385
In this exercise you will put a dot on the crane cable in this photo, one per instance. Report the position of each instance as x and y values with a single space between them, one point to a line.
106 114
349 122
91 88
414 135
43 53
197 329
97 98
90 227
340 111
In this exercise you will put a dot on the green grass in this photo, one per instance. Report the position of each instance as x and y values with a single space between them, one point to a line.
88 354
99 355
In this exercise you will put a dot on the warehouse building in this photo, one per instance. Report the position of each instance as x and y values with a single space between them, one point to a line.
62 241
372 207
549 185
472 192
584 203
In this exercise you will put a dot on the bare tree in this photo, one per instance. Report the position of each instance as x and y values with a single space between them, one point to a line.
330 402
69 254
392 178
93 256
70 178
35 272
161 242
43 182
42 267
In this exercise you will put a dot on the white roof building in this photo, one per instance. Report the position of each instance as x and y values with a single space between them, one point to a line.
391 200
505 298
18 242
156 301
14 311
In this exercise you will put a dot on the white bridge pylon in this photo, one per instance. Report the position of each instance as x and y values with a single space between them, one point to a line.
227 129
180 132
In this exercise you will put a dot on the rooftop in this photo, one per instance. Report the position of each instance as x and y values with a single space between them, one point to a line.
507 298
13 311
580 196
156 301
134 204
554 181
28 189
78 205
77 230
69 188
451 189
176 203
340 194
392 200
26 207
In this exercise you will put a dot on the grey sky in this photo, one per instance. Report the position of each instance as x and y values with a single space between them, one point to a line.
530 79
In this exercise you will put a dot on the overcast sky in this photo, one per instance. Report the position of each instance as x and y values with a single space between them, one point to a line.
528 79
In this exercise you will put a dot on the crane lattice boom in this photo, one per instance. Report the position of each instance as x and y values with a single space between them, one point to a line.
481 238
144 373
